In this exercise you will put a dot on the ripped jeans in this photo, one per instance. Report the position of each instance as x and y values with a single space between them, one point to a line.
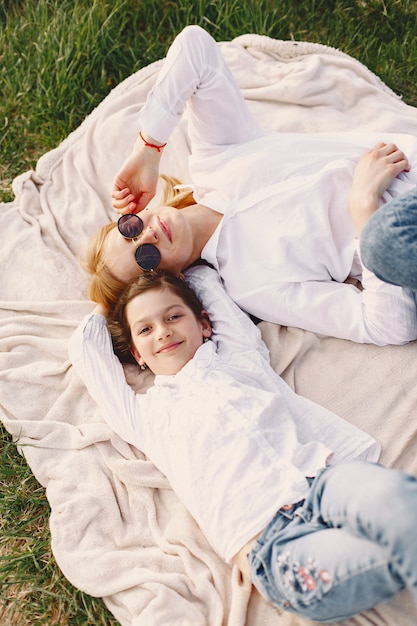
349 546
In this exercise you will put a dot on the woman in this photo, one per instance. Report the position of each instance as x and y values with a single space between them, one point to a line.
270 210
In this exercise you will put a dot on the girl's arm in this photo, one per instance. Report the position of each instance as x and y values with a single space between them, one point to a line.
195 74
233 330
91 353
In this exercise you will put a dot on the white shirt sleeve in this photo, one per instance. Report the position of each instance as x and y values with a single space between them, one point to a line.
381 314
233 330
195 73
91 353
390 311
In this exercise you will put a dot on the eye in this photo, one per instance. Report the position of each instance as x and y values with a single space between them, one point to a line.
174 317
144 330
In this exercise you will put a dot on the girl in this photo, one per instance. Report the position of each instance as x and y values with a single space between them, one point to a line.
279 485
270 211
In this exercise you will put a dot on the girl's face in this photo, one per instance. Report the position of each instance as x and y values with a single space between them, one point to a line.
166 228
165 332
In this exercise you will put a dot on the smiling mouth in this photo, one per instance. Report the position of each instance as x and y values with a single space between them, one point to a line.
165 230
170 347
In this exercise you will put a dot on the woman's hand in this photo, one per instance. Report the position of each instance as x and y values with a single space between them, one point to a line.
135 184
375 171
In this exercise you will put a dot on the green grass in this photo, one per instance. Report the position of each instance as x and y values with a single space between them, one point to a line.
33 592
58 59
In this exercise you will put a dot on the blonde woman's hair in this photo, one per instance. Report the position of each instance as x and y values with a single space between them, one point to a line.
104 288
178 198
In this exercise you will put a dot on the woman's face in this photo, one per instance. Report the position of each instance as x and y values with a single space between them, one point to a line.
166 228
165 332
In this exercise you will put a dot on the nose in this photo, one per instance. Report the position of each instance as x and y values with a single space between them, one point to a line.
149 235
163 331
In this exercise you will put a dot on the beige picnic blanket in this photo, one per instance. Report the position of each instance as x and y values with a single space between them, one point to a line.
118 531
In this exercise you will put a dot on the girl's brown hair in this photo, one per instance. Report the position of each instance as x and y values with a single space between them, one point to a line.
159 280
104 288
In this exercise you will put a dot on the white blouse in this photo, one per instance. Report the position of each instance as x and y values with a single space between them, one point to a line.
234 441
286 243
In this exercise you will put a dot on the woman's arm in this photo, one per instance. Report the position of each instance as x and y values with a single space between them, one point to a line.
233 330
135 184
194 74
91 353
382 314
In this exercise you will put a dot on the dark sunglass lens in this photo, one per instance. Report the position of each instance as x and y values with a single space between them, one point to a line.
147 256
130 225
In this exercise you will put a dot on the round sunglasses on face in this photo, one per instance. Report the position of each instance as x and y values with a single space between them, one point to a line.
147 256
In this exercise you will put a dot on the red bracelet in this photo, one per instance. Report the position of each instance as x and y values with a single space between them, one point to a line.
151 145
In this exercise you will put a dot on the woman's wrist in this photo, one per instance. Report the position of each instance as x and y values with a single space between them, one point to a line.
150 142
361 208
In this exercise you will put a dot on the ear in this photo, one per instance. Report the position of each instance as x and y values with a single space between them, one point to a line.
205 324
136 355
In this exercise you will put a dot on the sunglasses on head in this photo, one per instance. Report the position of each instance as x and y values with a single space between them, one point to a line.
147 255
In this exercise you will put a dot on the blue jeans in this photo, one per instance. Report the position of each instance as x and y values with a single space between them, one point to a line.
349 546
389 241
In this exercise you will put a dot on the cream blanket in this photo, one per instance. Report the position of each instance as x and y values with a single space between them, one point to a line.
118 531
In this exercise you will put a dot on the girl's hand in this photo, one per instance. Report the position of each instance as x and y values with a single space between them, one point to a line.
135 184
375 171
